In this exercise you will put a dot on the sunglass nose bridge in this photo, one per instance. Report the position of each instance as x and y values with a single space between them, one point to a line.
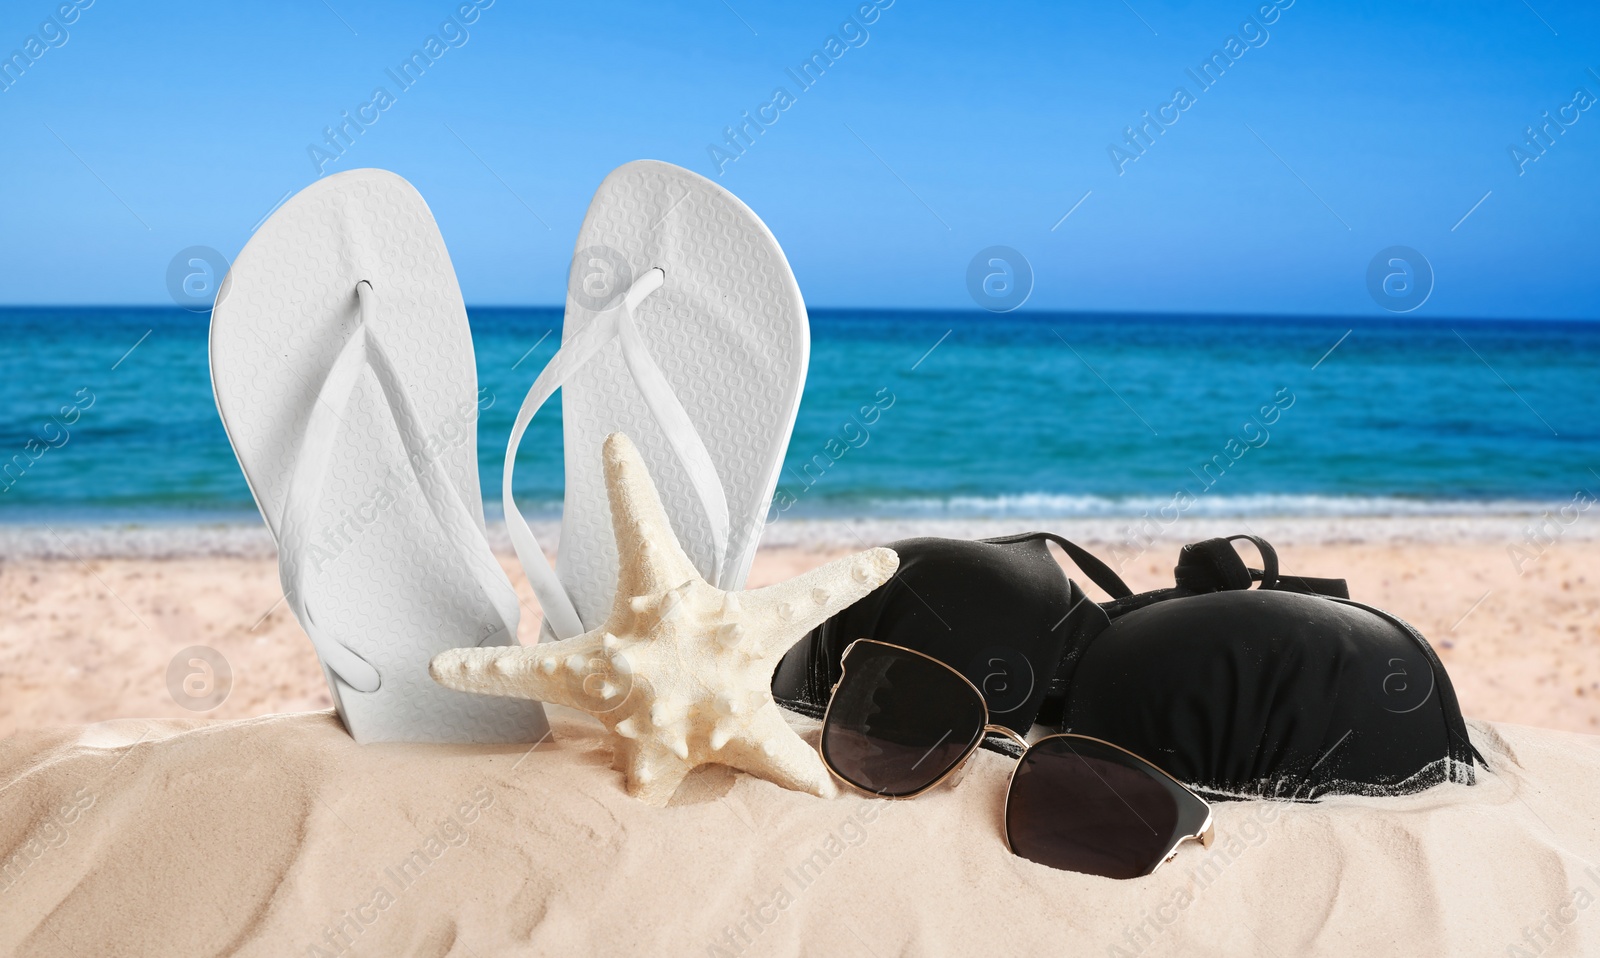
1004 732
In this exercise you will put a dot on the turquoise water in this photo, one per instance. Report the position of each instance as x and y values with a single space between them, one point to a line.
917 413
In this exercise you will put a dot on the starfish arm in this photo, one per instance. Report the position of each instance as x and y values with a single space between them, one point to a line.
680 672
801 604
650 559
770 749
553 672
653 772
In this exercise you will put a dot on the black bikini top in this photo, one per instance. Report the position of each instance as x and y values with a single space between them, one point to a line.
1286 689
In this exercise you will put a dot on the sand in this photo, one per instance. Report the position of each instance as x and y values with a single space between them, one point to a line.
162 831
87 639
278 836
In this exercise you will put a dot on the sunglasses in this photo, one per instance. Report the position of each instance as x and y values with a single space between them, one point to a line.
900 722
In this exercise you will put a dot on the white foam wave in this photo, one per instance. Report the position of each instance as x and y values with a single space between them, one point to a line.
1043 505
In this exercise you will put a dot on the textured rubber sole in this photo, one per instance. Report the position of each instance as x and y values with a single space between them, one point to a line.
386 582
728 329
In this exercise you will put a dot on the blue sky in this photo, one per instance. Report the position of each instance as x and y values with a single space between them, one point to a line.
942 128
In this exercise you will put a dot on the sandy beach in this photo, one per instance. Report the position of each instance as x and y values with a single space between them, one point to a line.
94 618
279 836
131 824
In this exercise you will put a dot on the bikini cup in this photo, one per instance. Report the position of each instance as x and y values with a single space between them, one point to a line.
1289 689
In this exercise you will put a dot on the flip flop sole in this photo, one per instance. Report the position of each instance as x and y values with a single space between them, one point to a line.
386 581
729 330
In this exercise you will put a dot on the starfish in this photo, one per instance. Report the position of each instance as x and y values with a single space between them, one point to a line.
680 671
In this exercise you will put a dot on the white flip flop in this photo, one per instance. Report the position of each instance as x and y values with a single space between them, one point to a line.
343 369
685 330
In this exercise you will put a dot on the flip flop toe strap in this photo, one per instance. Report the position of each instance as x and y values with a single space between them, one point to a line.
299 561
561 616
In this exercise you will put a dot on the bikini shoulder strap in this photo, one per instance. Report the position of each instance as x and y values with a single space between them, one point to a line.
1098 572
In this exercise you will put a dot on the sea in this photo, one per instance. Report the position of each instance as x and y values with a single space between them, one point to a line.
917 415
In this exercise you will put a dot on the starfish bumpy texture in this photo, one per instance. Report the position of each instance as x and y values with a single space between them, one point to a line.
681 671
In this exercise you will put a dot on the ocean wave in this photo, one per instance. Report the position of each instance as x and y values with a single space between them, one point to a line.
1497 524
1046 505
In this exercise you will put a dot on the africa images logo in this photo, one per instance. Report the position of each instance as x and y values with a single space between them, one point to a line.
1399 279
999 278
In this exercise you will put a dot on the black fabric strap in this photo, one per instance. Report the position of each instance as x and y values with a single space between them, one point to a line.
1310 585
1214 566
1268 573
1098 572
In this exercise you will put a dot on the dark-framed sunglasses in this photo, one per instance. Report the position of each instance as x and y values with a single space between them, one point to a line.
900 722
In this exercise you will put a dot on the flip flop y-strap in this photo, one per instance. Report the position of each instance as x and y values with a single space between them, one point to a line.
560 614
364 349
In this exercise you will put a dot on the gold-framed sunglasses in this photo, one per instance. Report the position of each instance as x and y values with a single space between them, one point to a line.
900 722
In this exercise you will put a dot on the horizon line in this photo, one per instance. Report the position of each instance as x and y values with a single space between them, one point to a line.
965 312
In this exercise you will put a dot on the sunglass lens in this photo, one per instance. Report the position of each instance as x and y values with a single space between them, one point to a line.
898 721
1081 805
